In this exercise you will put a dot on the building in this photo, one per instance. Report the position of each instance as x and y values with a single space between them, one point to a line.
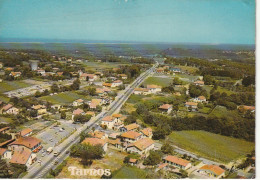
94 103
5 130
142 146
23 157
166 108
154 88
147 132
122 76
199 83
109 122
130 127
177 162
115 143
96 141
31 143
15 74
77 112
89 77
34 64
141 91
41 109
192 105
25 132
78 102
200 99
117 83
9 109
5 153
244 108
99 134
91 113
212 171
131 136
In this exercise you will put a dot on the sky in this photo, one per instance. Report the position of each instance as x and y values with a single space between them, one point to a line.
176 21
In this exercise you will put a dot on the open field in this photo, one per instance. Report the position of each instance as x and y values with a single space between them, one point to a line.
158 81
113 160
12 85
4 98
129 172
102 65
63 98
220 89
189 69
5 120
213 146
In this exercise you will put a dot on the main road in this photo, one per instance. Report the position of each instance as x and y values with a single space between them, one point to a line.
39 170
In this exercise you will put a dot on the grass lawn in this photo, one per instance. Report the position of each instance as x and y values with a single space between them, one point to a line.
220 89
5 120
113 160
213 146
129 172
135 98
63 98
12 85
102 65
189 69
4 98
158 81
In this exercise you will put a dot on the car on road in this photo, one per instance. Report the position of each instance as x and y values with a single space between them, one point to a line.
56 162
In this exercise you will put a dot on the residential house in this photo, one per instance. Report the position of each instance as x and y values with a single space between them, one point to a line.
25 132
5 130
77 112
109 122
177 162
199 83
141 91
141 146
23 157
192 105
5 153
200 99
122 76
212 171
133 161
41 109
78 102
175 70
117 83
59 73
107 84
94 103
160 70
91 113
147 132
41 72
98 134
166 108
10 109
130 127
22 143
89 77
115 143
154 88
244 108
96 141
15 74
131 136
56 106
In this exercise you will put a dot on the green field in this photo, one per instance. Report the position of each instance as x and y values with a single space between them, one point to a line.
5 120
135 98
102 65
158 81
212 146
12 85
129 172
63 98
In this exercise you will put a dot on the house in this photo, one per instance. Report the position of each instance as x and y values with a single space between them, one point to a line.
56 106
94 103
192 105
4 130
141 146
59 73
22 143
77 112
131 136
15 74
107 84
212 171
89 77
160 70
122 76
166 108
91 113
177 162
175 70
10 109
244 108
200 99
41 109
117 83
78 102
133 161
41 72
98 134
5 153
100 92
162 166
199 83
115 143
96 141
25 132
147 132
114 135
130 127
142 91
154 88
24 157
109 122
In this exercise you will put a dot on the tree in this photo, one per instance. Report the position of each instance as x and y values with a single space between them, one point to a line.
82 118
248 80
37 94
153 159
167 148
33 113
63 115
130 119
55 88
75 85
126 159
208 79
177 81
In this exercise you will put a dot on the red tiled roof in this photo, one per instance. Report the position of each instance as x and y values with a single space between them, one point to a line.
142 144
165 106
147 131
177 160
108 118
94 141
6 107
25 131
78 111
21 157
213 168
2 151
132 126
29 142
131 134
191 103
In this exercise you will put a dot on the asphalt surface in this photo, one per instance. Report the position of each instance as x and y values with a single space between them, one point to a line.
39 170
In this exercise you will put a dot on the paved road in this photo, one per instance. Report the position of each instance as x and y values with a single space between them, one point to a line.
39 170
